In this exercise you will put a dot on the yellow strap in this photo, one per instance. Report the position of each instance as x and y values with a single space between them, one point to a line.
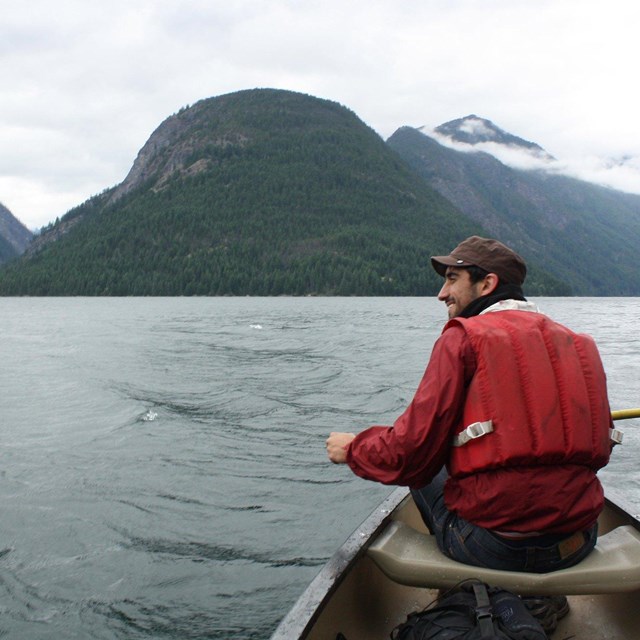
625 414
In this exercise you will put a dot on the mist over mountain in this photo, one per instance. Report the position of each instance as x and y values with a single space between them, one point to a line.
582 233
14 236
472 134
475 131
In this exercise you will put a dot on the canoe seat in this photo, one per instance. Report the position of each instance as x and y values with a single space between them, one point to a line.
413 558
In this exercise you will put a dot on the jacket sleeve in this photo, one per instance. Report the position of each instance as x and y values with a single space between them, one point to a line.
415 448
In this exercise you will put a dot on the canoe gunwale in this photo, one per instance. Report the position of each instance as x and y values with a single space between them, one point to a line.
309 605
618 503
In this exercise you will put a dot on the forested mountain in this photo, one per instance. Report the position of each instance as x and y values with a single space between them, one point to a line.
260 192
14 236
582 233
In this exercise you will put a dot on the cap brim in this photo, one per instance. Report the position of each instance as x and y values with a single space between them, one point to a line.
440 263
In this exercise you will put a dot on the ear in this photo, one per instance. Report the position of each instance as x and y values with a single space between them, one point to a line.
489 284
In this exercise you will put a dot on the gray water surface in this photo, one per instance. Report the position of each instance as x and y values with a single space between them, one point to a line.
162 464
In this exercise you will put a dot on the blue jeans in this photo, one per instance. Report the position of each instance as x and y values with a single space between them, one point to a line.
466 542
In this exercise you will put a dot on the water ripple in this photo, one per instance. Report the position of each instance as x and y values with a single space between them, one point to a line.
209 519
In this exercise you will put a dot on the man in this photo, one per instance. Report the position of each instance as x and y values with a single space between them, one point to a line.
510 423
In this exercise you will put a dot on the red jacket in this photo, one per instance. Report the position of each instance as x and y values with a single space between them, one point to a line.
550 488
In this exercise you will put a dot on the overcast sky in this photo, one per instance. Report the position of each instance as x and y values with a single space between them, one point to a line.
83 83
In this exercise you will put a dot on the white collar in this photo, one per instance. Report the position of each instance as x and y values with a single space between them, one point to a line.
512 305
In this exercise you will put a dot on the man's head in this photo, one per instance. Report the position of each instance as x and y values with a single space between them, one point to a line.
475 268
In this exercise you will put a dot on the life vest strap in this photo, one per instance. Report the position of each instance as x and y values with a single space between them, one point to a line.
479 429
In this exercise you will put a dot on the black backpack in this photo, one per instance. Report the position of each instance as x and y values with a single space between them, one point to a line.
472 611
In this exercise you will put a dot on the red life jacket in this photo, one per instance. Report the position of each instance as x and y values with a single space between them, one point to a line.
543 389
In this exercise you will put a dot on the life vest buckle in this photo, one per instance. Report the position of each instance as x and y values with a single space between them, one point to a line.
616 436
473 431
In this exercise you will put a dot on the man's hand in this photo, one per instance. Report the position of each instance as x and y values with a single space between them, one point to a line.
337 446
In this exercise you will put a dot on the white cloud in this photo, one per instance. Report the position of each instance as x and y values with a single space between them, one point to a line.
516 157
621 173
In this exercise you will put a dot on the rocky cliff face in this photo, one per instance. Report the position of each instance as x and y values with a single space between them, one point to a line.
173 148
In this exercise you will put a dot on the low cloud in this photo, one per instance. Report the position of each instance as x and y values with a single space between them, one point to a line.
621 172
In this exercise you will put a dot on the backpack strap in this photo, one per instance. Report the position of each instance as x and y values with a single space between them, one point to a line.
484 613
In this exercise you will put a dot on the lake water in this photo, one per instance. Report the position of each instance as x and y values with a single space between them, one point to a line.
162 464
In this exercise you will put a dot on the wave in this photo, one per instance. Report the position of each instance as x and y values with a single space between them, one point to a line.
198 551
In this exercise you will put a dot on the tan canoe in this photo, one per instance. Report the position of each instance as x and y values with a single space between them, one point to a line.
390 566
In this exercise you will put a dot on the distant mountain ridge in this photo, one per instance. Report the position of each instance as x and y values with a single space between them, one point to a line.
14 236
